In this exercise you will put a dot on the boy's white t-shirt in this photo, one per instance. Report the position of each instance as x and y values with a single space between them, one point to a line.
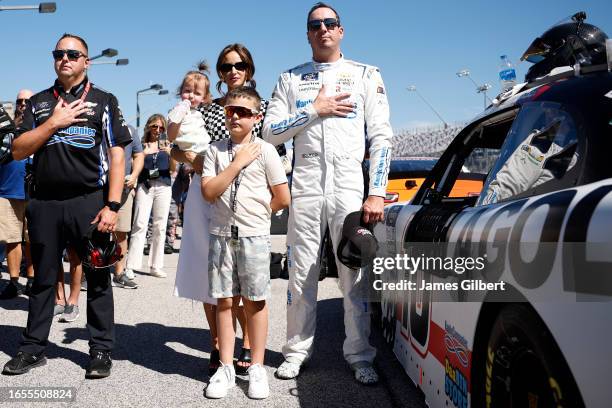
192 135
253 212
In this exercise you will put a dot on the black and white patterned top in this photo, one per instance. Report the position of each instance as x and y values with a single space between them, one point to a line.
214 121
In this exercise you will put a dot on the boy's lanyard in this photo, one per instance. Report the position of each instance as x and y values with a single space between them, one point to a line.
236 183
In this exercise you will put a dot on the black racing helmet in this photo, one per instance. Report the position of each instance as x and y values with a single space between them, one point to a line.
568 42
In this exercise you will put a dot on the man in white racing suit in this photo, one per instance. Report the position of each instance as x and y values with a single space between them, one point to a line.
331 108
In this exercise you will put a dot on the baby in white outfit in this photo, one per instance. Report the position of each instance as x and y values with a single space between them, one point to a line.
192 135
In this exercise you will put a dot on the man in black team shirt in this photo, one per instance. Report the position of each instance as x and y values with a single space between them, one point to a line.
76 133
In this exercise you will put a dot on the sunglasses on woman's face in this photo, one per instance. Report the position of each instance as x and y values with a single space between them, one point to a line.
157 127
240 66
73 55
21 101
239 111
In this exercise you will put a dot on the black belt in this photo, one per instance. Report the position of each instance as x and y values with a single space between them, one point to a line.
62 194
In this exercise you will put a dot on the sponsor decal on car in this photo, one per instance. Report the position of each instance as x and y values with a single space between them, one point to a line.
455 385
456 344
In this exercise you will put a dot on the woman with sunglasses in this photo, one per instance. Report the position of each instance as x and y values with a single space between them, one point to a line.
235 68
154 192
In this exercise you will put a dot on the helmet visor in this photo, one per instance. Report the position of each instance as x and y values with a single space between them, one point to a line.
536 52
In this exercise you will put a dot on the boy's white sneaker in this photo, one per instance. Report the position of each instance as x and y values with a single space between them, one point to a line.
258 382
221 382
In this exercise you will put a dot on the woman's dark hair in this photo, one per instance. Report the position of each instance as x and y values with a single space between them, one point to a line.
245 56
147 130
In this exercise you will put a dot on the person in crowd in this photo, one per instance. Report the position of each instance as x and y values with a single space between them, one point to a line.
235 68
152 194
180 185
180 188
76 132
68 309
325 106
244 180
134 162
172 222
13 201
20 104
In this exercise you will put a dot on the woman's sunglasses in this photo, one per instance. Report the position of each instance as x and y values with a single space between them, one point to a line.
330 24
239 111
73 55
157 127
240 66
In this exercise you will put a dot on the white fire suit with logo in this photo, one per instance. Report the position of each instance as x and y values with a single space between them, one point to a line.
327 184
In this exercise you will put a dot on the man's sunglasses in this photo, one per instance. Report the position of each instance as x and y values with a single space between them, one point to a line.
157 127
239 111
73 55
240 66
330 24
21 101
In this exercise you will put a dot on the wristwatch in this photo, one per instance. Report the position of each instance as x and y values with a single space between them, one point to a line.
114 206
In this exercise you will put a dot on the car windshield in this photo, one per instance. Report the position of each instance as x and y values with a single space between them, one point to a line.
540 130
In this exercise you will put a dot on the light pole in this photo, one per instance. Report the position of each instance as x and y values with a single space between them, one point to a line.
154 87
413 88
109 52
479 88
123 61
42 8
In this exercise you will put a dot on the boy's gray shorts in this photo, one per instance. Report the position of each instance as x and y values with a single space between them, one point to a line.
239 271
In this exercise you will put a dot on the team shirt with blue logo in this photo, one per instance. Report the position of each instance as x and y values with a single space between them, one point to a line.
75 159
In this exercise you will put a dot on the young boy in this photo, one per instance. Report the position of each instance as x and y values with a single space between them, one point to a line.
245 181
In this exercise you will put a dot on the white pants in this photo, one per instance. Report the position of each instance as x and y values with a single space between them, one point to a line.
307 221
158 198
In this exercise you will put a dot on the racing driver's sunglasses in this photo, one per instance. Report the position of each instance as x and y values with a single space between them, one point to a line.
73 55
240 111
330 24
240 66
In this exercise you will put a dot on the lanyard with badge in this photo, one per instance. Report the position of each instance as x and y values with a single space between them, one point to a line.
234 190
154 172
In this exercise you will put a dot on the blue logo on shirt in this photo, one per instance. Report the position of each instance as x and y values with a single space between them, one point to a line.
81 137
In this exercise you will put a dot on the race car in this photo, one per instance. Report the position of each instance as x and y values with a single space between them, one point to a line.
407 175
529 323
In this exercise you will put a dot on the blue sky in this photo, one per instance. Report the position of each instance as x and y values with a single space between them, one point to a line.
422 43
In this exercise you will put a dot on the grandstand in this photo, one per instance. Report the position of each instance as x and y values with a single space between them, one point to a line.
424 142
431 142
